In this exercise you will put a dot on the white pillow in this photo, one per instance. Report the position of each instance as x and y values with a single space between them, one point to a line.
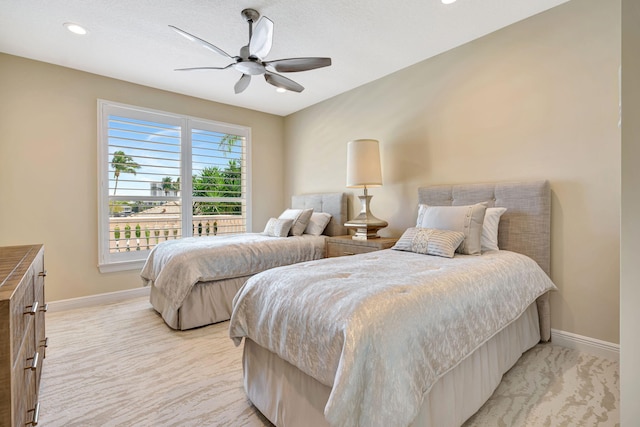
278 227
489 241
429 241
466 219
317 223
300 219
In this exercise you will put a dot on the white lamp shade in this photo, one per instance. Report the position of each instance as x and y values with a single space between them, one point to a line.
363 163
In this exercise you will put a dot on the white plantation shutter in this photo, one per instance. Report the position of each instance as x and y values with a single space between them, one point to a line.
164 176
219 179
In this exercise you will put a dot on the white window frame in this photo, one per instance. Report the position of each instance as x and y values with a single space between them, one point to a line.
111 262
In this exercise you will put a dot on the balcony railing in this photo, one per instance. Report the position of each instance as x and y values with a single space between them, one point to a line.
144 233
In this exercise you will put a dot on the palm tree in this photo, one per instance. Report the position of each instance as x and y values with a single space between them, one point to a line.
122 164
216 182
167 185
229 141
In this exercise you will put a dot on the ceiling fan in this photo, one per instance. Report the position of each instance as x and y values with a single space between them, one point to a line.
251 61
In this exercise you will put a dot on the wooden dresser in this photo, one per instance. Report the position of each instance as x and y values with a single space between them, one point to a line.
22 335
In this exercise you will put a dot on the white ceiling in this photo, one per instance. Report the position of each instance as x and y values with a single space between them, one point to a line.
366 39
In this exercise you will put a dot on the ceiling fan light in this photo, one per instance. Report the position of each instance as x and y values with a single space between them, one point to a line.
249 67
448 1
75 28
280 90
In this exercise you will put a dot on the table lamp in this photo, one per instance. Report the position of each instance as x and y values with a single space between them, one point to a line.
363 171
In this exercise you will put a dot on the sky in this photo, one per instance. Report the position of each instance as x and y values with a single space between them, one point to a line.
157 148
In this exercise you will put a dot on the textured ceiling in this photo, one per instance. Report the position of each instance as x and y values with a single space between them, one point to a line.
131 40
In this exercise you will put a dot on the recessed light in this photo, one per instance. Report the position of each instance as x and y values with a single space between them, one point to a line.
75 28
448 1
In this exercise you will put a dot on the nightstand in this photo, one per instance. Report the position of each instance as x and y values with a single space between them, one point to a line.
345 245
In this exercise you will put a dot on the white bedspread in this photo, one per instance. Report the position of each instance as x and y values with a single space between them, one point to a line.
174 266
381 328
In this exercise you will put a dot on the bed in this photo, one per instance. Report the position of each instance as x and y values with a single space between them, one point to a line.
376 349
193 280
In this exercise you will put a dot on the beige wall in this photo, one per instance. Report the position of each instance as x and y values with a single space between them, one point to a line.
630 230
538 99
48 150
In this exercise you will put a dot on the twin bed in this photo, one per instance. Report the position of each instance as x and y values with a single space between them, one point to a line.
398 337
193 280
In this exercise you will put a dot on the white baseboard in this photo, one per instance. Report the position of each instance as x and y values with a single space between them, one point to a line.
589 345
91 300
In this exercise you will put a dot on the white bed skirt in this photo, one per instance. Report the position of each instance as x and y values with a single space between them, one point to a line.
289 397
208 302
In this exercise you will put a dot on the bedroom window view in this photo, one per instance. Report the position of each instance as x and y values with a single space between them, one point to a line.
154 166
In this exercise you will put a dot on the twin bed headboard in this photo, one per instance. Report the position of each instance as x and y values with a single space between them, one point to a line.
526 225
333 203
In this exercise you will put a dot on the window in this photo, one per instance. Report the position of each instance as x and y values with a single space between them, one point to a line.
162 177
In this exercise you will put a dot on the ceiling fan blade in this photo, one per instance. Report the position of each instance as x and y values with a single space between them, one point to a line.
198 40
242 84
262 38
281 81
203 68
291 65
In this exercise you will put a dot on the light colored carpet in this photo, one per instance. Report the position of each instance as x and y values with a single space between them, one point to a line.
120 365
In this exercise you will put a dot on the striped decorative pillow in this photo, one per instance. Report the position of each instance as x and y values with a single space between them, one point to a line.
430 241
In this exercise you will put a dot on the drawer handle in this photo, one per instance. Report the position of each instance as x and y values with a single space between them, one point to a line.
34 361
43 273
36 415
44 308
348 253
33 309
45 345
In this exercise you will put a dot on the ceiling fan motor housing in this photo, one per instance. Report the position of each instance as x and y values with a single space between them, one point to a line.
250 15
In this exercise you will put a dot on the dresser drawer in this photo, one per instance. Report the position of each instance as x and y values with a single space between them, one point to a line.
38 288
39 273
24 382
22 313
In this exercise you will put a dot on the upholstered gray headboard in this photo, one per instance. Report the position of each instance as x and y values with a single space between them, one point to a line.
525 227
333 203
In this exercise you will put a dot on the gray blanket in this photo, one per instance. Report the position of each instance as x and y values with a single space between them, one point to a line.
174 266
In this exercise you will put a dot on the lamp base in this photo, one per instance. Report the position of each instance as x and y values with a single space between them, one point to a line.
365 224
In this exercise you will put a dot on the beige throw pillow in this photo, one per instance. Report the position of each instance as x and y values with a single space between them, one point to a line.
300 219
278 227
317 223
466 219
490 225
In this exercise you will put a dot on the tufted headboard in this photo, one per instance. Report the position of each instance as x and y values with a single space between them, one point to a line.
333 203
526 225
524 228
